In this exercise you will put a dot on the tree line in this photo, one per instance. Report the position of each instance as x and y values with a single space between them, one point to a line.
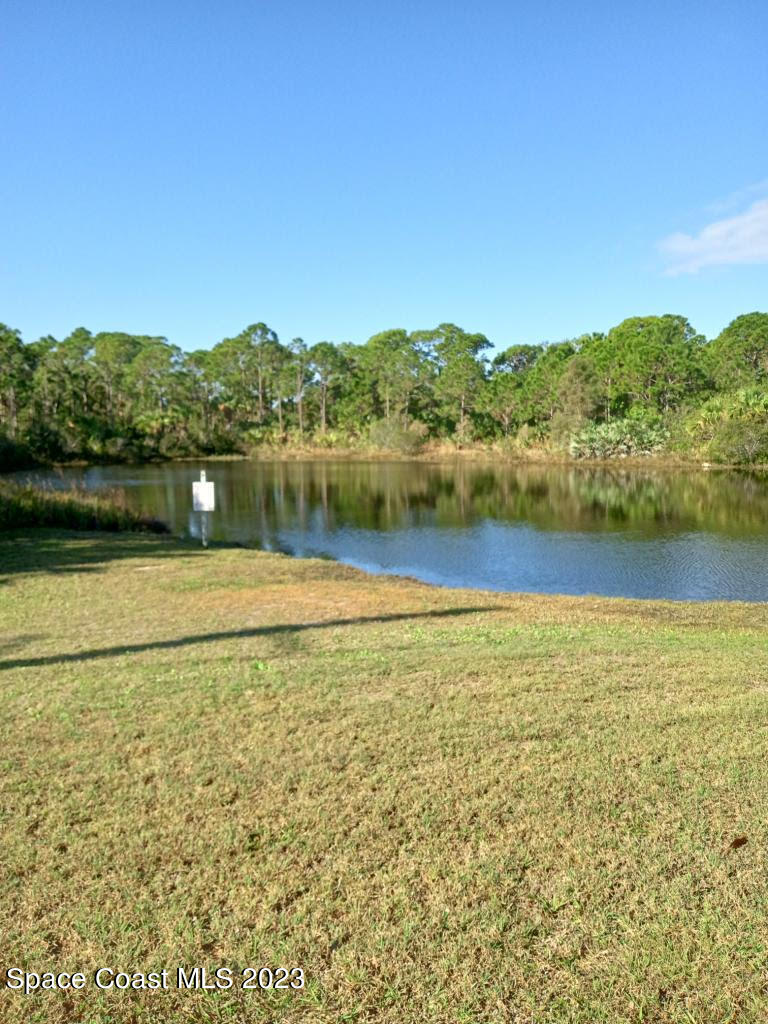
649 384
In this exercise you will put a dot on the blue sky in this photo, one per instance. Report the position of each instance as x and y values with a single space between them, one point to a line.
531 170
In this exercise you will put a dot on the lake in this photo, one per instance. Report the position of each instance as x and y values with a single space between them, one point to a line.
570 530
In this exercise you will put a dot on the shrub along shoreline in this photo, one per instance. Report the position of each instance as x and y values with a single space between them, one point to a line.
27 505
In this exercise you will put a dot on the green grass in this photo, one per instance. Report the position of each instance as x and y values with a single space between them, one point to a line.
444 805
26 505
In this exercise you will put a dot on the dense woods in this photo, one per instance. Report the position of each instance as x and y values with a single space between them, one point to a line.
649 385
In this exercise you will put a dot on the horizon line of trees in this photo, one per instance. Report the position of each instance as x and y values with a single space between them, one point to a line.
649 384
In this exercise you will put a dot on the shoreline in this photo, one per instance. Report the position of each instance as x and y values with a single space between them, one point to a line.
433 456
185 545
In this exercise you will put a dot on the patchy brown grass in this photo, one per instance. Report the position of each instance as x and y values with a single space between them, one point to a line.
444 805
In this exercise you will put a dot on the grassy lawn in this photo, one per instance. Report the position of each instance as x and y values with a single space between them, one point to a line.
443 805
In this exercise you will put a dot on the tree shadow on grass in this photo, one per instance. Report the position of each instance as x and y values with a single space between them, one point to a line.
57 551
230 634
6 646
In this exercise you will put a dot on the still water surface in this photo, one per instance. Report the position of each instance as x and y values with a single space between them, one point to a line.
573 530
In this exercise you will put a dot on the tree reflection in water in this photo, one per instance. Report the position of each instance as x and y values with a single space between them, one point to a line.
478 523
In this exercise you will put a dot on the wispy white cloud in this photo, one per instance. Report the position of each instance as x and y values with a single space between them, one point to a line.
739 239
739 198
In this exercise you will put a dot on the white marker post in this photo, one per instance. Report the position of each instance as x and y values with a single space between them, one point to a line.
203 501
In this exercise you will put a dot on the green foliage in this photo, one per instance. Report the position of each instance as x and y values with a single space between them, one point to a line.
578 399
460 374
740 442
501 400
331 439
731 427
738 357
23 506
13 455
653 362
327 366
15 378
113 395
395 436
542 383
618 439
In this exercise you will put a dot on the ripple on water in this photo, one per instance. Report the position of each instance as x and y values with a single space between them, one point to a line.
572 530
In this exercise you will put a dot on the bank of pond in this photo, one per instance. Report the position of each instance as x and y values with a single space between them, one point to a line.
632 532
